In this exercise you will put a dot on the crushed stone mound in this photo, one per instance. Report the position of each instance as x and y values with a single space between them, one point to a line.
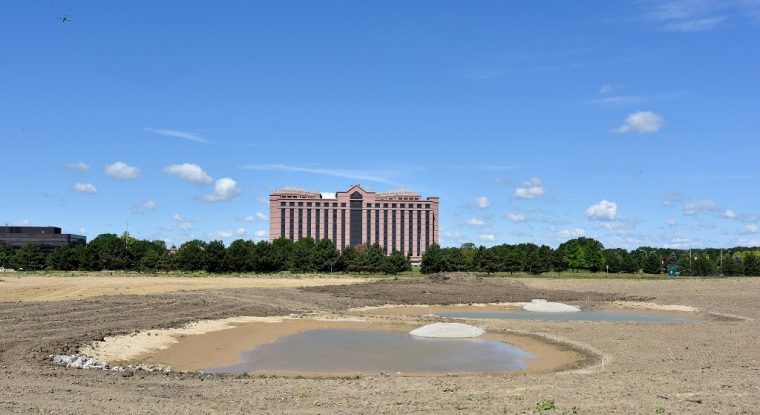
454 276
448 330
543 306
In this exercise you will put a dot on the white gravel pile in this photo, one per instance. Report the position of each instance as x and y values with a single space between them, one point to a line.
83 362
447 330
543 306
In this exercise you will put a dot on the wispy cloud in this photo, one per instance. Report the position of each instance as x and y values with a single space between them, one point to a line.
369 176
77 166
85 188
483 75
642 122
179 134
690 16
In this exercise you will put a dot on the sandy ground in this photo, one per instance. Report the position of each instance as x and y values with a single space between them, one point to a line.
14 287
712 367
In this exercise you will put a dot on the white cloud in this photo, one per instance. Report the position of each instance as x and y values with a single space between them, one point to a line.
142 207
264 200
179 134
487 237
77 166
482 202
260 235
750 230
85 188
224 189
451 236
568 233
532 189
606 89
729 214
228 234
476 223
258 216
673 197
643 122
346 174
700 206
603 211
516 217
190 172
695 25
483 75
122 171
21 222
83 231
183 223
671 222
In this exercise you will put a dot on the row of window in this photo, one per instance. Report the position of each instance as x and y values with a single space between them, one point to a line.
294 229
369 205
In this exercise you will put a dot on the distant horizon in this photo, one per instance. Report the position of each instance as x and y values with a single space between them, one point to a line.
633 122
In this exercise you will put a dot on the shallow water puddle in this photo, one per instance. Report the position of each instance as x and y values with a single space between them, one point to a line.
613 316
335 350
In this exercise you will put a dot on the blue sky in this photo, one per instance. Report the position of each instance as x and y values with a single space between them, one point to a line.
634 122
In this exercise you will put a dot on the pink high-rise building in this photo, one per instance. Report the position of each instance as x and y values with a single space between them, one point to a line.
397 220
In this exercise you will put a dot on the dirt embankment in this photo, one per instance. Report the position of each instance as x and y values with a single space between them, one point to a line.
461 289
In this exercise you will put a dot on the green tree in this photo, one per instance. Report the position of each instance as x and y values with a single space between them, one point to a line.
326 256
191 256
396 262
278 255
371 258
704 265
453 259
214 255
631 263
29 258
752 264
107 252
544 260
732 265
432 260
489 261
151 261
6 256
583 254
349 259
68 258
302 255
240 256
653 263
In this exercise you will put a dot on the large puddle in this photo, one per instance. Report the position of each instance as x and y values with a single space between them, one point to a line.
330 347
351 350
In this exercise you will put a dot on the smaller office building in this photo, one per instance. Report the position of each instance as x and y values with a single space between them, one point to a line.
48 238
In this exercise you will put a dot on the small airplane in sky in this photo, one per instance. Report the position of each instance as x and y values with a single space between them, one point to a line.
64 19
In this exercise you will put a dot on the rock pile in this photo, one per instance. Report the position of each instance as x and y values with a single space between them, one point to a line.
83 362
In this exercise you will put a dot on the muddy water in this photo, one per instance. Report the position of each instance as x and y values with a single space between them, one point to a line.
612 316
365 351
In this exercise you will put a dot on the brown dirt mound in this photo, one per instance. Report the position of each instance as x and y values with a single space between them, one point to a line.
462 289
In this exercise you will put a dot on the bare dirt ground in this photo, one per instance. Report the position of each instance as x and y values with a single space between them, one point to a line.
56 288
713 367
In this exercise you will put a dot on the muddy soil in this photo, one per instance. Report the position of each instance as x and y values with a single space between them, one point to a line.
712 367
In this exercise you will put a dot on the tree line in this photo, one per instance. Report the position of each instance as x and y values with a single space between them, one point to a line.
589 255
114 252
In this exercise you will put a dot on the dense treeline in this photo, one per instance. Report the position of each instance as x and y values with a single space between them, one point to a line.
112 252
586 254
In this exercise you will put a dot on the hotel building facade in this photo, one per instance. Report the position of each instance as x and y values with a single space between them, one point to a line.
397 221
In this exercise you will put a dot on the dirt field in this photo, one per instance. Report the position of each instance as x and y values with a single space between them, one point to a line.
57 288
712 367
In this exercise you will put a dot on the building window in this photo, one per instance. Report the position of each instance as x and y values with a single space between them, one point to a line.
282 203
308 204
300 223
317 216
300 203
292 217
282 223
308 223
